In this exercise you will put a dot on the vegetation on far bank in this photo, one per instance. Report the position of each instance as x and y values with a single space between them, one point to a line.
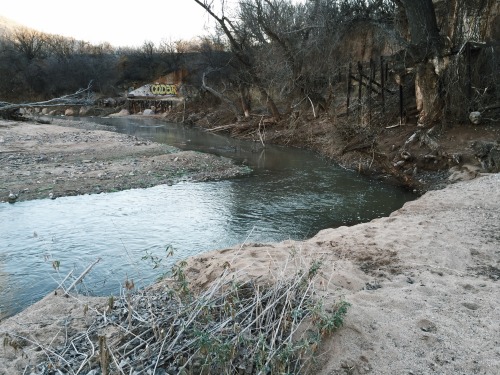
284 58
335 76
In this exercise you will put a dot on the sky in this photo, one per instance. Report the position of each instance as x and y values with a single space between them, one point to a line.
122 23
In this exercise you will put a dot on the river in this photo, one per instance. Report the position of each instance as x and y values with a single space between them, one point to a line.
291 194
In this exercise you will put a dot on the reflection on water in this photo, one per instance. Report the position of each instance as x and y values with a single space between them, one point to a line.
292 194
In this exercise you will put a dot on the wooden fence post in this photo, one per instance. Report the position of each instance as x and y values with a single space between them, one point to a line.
400 104
382 82
360 71
348 88
370 88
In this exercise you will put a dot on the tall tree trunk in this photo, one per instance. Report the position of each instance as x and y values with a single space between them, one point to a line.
271 105
423 24
427 92
245 100
217 94
426 51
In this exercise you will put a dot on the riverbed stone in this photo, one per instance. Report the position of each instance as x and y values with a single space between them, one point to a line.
123 112
475 118
83 111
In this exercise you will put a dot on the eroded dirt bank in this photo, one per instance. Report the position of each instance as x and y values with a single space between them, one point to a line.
418 158
423 285
72 158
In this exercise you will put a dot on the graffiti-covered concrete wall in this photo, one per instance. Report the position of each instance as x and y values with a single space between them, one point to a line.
154 91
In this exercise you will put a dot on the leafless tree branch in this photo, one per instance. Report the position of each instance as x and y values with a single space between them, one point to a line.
76 99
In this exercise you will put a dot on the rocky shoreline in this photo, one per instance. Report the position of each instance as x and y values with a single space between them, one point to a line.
67 158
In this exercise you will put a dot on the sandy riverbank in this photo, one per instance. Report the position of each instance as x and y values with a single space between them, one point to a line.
423 284
75 157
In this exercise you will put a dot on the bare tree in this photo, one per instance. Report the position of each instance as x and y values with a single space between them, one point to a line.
279 30
240 46
29 42
60 46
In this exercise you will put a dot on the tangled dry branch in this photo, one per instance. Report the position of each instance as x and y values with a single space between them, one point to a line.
230 328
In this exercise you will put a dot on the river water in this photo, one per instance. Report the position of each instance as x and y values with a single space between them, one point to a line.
291 194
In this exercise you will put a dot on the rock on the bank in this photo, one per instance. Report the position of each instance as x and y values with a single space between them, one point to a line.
84 111
475 118
122 113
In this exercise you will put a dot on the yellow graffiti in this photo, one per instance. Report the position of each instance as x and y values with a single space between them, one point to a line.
160 89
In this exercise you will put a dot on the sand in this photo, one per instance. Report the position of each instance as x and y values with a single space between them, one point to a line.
423 284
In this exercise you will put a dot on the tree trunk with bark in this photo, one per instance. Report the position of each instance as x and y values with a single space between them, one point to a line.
426 50
422 22
246 103
427 92
217 94
440 56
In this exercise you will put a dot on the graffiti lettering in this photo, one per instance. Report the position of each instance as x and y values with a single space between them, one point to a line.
159 89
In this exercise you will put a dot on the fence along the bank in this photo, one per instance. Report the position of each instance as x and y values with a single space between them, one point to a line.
373 77
375 85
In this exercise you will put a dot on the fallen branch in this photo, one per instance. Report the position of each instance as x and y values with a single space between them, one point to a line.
219 95
61 284
220 128
80 278
76 99
393 126
312 106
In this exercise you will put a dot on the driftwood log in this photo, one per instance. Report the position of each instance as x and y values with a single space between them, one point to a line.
81 97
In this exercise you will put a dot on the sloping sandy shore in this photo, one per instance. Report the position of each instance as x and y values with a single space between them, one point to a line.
423 285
